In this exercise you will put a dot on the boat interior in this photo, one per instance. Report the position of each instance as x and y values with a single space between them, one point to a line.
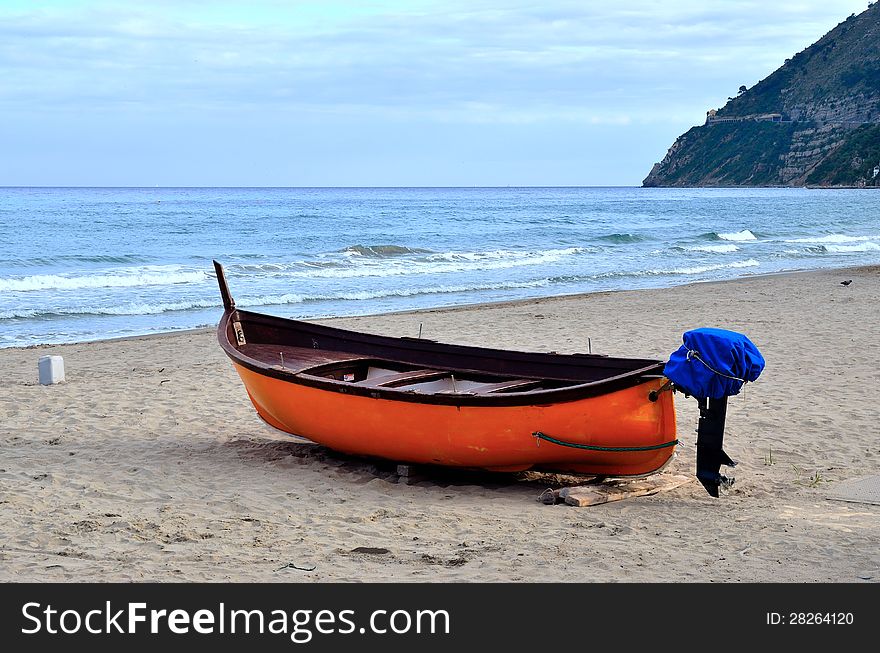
372 362
371 372
415 365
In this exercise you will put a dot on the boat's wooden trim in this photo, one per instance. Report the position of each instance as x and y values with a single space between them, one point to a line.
308 353
225 295
320 337
568 393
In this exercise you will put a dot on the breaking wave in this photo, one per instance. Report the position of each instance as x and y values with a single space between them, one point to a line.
832 238
269 300
434 263
715 249
738 236
861 247
655 272
122 278
382 251
701 269
750 263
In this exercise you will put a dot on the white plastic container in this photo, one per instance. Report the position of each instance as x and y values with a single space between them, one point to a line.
51 369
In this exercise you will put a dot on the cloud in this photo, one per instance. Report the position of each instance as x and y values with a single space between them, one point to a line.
597 58
553 92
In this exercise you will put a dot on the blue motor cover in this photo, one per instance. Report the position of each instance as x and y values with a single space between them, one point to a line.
714 363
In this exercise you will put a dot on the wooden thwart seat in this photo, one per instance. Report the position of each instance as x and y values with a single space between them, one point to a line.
514 384
296 358
403 378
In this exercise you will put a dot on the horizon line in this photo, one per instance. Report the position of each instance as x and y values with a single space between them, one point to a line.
327 186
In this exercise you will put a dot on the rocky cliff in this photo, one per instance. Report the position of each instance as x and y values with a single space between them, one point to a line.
814 121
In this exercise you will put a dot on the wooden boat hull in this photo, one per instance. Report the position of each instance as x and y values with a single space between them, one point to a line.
420 401
498 438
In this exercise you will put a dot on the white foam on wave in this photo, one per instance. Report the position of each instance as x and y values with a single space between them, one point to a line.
269 300
121 278
749 263
505 255
660 272
719 249
739 236
441 263
133 308
362 295
831 238
861 247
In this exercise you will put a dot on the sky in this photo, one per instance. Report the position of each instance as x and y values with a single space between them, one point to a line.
381 93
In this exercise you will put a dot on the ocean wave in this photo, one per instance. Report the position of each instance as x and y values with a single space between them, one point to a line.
382 251
134 308
658 272
506 254
122 278
715 249
799 253
750 263
437 263
831 238
361 295
622 239
818 249
861 247
74 258
428 290
267 300
249 269
738 236
358 266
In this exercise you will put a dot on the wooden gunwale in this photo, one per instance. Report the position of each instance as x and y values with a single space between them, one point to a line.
407 351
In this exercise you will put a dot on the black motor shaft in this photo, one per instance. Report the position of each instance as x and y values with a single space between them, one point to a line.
710 440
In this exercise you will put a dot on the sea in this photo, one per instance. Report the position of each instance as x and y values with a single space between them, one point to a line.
81 264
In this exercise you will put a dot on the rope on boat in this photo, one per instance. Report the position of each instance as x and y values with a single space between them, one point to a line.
590 447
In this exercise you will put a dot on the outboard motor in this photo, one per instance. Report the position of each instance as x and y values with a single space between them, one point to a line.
710 366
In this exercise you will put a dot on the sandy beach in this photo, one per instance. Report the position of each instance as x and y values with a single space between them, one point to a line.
149 462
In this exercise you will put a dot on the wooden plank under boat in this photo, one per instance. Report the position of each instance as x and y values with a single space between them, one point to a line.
419 401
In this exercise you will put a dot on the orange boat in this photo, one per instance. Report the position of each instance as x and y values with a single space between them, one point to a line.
419 401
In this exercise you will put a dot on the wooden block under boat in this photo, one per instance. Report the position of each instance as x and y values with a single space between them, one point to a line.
592 495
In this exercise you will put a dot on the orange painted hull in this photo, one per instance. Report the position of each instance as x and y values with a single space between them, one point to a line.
497 438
